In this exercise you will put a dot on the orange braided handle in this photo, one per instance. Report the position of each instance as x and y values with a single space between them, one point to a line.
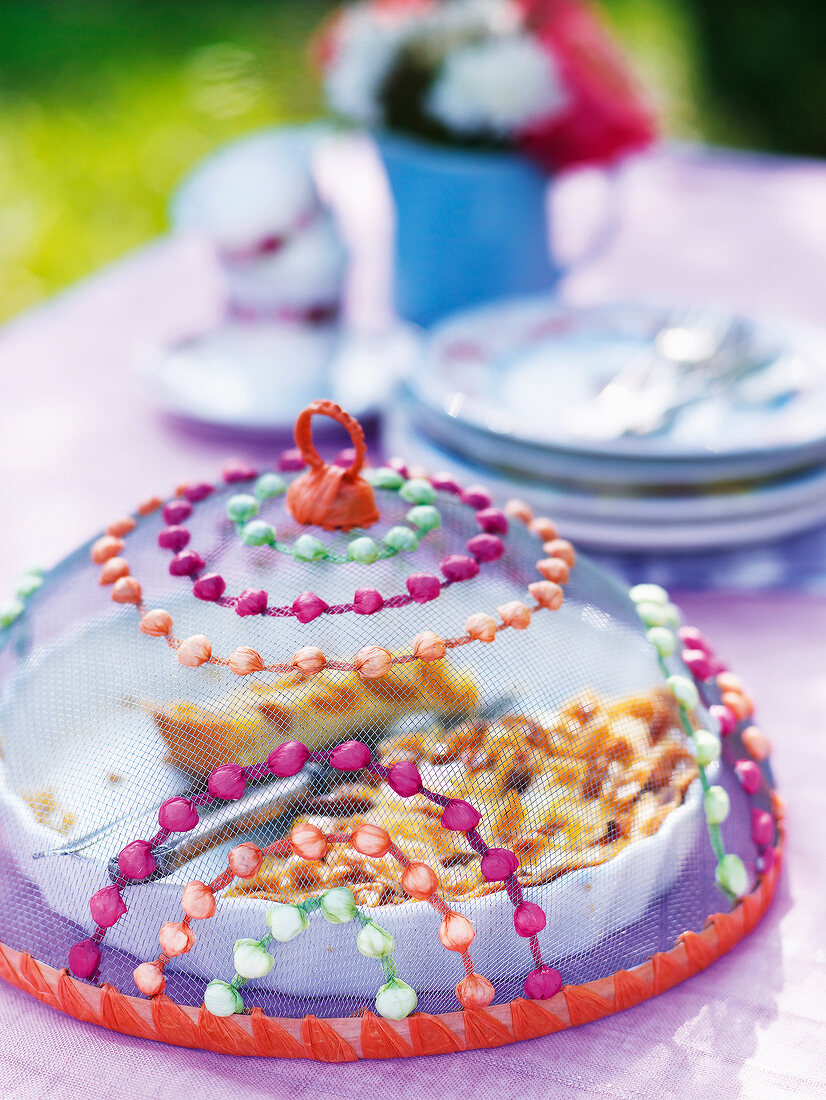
328 496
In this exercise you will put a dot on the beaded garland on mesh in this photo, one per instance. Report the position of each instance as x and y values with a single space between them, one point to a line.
372 725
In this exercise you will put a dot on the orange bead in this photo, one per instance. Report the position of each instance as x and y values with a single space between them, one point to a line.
756 744
515 614
518 509
562 549
474 991
195 651
245 860
739 703
148 506
729 681
176 938
308 661
244 660
371 840
419 881
156 623
121 527
547 594
428 646
481 627
543 528
308 841
105 548
149 978
373 662
456 932
113 570
126 590
555 570
198 900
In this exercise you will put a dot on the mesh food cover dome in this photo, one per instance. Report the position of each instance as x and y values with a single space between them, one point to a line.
337 762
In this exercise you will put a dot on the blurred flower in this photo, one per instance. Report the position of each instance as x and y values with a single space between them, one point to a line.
395 1000
222 999
251 959
374 942
286 921
338 905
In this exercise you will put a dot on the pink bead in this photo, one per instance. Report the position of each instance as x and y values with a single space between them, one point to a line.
245 860
749 775
149 978
173 538
725 718
367 601
399 465
238 471
459 816
178 815
476 496
210 587
290 460
423 587
345 458
428 646
691 638
252 601
543 528
766 860
698 663
404 778
177 511
288 759
498 864
308 606
528 919
446 484
105 548
176 938
493 521
227 781
84 958
107 906
198 900
136 860
459 567
199 491
350 756
543 983
762 827
486 547
186 563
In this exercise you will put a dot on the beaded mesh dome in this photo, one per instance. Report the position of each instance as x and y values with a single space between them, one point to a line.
400 775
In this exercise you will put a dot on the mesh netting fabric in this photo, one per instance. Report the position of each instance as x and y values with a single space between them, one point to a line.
101 723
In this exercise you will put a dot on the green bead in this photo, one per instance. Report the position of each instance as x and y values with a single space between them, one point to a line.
731 875
28 585
400 538
424 517
672 616
706 747
362 550
269 485
717 805
385 478
648 593
309 548
9 611
258 533
662 640
242 507
684 691
222 999
417 491
652 614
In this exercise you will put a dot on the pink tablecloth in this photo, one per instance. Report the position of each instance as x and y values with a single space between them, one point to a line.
80 440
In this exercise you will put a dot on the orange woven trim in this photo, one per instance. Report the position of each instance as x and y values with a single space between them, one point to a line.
346 1040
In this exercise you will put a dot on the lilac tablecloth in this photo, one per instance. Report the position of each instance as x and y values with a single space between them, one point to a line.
80 440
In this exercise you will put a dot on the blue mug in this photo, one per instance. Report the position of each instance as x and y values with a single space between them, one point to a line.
471 227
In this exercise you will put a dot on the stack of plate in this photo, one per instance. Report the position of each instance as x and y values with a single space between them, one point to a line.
515 393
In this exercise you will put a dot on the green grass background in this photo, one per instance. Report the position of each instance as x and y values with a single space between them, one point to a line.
105 104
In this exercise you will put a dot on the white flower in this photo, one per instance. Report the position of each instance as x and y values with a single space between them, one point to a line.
221 999
251 959
496 86
395 1000
374 942
286 921
338 905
